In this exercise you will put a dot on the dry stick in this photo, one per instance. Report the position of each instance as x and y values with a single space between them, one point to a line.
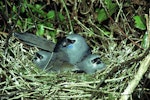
128 37
114 69
143 68
89 8
67 15
126 62
11 29
148 27
133 84
120 27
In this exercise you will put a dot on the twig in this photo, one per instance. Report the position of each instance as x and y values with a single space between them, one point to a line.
133 84
114 69
67 15
11 29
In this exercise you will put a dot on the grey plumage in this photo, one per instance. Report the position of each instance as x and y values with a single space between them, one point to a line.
91 64
70 54
37 41
69 51
52 62
75 47
42 58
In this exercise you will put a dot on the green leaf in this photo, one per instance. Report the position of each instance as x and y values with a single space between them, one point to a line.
145 41
14 9
102 15
53 35
29 20
40 30
22 9
61 17
108 3
37 9
139 23
37 6
49 25
19 22
51 14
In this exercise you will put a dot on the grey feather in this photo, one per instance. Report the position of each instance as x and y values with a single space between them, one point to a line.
52 62
37 41
75 47
91 64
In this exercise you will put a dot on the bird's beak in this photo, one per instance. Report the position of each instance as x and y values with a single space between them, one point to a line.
65 43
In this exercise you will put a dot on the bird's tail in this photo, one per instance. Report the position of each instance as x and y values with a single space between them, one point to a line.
37 41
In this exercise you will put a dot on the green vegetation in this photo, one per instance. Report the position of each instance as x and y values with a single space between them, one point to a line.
119 31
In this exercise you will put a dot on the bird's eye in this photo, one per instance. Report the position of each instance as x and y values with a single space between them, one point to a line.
39 56
99 61
96 60
70 41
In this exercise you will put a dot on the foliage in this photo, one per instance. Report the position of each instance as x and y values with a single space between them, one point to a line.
116 30
103 14
139 23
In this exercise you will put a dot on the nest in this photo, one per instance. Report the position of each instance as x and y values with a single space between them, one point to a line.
116 38
21 79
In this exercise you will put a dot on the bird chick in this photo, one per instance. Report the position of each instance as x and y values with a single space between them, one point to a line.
91 64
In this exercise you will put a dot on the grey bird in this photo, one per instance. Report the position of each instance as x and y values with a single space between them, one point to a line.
42 58
75 47
65 55
91 64
49 62
71 53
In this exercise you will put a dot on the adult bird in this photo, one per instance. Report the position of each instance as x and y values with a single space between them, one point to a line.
74 46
